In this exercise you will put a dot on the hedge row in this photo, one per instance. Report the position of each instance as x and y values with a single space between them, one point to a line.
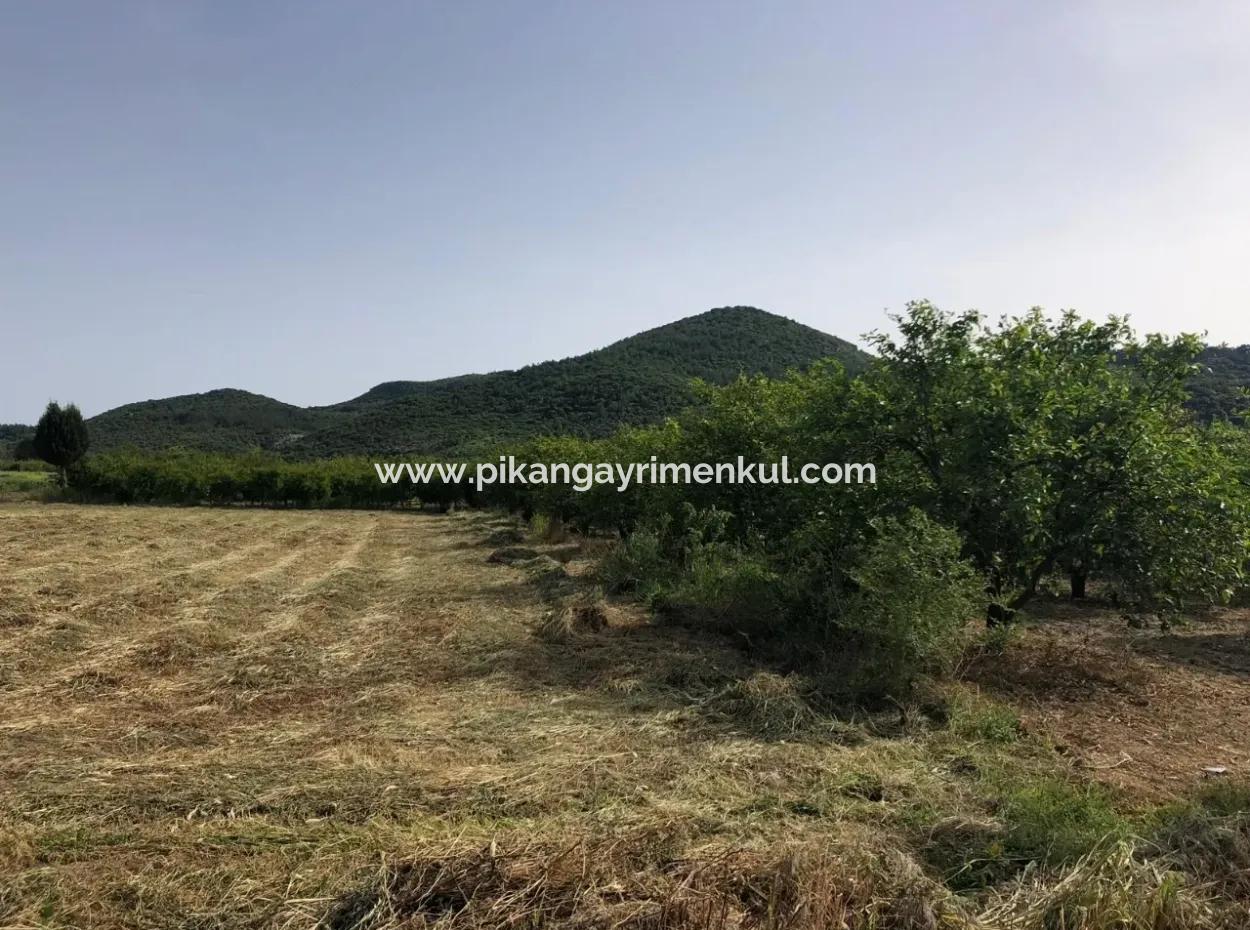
185 477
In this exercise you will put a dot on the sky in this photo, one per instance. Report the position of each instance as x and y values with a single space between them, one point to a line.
305 198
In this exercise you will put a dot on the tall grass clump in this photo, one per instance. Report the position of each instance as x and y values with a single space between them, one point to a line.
1057 822
1110 888
1209 835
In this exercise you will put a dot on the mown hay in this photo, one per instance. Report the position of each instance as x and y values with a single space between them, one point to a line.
774 707
550 577
600 884
510 555
507 536
569 621
1110 889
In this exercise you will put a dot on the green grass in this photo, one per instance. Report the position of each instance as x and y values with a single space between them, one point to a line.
980 720
22 481
1057 821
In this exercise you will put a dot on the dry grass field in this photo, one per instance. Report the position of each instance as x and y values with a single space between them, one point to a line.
224 718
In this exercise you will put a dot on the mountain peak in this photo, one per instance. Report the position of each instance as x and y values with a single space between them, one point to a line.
639 379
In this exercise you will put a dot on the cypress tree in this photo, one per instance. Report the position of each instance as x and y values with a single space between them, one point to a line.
61 436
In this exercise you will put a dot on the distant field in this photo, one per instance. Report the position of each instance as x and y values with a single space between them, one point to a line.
244 718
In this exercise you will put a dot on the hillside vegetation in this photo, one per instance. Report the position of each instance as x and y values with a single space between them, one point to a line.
638 380
1219 387
10 435
225 420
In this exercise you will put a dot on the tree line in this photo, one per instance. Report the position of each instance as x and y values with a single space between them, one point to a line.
1008 455
187 477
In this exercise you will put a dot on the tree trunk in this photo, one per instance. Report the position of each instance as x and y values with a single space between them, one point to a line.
1077 578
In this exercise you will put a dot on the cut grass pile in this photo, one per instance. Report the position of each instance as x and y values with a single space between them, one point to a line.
240 718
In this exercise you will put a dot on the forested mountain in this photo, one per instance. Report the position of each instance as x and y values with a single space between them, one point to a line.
640 379
1219 387
225 420
10 435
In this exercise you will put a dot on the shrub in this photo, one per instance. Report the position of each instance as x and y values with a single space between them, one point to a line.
913 597
25 450
186 477
21 463
732 587
636 564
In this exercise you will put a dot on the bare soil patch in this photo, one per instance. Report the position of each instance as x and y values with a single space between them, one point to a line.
1144 709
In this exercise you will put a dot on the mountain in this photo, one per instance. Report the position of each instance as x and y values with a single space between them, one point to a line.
637 380
225 420
640 379
1219 387
10 435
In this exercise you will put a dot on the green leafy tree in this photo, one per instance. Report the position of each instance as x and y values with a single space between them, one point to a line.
1178 534
61 436
1055 446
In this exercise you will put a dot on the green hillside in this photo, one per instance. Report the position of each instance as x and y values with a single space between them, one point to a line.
637 380
1219 388
225 420
10 435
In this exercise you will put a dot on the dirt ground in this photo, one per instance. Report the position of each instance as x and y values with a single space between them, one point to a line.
1145 709
239 718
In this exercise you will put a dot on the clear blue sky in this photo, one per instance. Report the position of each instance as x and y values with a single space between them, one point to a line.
306 198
